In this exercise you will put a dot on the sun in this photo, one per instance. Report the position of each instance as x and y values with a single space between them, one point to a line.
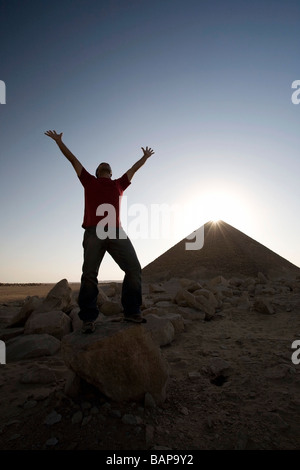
217 204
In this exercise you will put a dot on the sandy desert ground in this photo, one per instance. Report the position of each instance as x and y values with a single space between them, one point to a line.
232 384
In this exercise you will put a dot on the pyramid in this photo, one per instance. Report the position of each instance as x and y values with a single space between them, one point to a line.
226 251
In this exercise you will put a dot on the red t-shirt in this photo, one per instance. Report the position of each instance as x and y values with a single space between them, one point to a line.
99 191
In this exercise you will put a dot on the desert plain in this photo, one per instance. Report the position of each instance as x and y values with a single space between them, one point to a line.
233 372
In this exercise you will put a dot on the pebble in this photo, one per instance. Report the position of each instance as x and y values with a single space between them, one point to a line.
52 418
184 411
129 419
52 441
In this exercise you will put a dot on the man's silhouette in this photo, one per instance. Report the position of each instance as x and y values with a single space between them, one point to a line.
98 190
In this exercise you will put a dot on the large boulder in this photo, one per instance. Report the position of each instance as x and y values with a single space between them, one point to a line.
120 359
31 303
58 298
263 306
206 302
161 329
102 297
31 346
55 323
110 307
8 315
202 300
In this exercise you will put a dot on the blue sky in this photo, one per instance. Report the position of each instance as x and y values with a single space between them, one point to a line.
206 84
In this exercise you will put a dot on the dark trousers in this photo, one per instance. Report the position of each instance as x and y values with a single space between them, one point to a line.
122 251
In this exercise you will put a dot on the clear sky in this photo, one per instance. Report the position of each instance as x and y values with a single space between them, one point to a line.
206 84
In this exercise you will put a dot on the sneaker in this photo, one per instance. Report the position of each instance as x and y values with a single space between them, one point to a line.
88 327
135 318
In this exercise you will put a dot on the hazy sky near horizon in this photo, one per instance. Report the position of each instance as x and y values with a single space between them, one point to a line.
206 84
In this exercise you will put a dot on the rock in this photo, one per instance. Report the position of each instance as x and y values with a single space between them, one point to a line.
52 442
75 320
268 290
217 281
238 282
218 366
113 289
176 320
9 333
263 306
110 307
55 323
170 314
206 301
195 375
243 302
202 299
58 298
120 359
72 385
184 411
185 298
8 315
156 288
221 292
29 404
52 418
161 329
31 346
163 304
30 304
38 375
192 287
189 284
192 314
129 419
102 297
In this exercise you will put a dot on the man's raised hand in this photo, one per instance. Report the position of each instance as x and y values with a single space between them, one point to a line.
147 152
54 135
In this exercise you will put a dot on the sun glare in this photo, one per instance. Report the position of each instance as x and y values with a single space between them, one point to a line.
220 204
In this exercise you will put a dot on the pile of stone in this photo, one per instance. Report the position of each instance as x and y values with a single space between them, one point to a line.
125 361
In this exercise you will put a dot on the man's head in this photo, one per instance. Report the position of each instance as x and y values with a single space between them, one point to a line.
103 171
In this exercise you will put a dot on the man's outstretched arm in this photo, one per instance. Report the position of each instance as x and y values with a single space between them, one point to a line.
64 149
147 153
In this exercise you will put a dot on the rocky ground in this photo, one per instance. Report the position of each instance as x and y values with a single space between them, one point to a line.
232 385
